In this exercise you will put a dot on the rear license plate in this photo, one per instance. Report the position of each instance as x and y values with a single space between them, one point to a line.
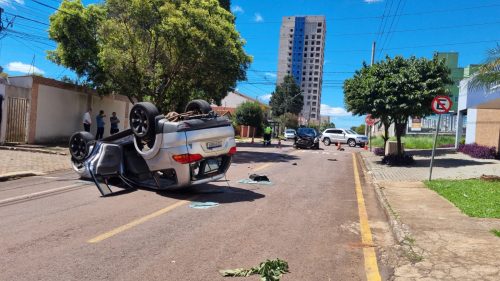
215 144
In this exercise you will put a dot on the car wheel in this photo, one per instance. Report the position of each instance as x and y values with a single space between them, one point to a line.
316 146
351 143
327 141
199 106
79 145
142 120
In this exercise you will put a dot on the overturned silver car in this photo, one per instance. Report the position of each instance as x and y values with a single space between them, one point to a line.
158 152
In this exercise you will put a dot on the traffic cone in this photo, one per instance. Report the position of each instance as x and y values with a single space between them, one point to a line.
365 147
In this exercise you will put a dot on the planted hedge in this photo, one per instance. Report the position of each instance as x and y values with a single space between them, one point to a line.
478 151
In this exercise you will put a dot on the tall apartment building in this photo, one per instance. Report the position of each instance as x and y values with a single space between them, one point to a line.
301 54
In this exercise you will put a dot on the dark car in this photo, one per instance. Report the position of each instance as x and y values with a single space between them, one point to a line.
307 138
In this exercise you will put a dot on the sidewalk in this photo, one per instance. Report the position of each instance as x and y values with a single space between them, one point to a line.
32 160
439 241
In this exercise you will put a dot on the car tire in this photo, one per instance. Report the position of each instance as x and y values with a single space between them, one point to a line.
79 145
142 120
316 146
351 142
327 141
199 106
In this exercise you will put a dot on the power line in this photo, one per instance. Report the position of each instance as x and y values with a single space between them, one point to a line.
48 6
390 27
28 19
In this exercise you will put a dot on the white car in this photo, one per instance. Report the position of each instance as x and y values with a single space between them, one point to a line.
335 135
158 152
290 134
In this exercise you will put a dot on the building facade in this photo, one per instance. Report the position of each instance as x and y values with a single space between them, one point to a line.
301 55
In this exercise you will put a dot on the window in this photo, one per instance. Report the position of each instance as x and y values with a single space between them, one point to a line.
288 72
312 42
291 36
307 42
314 103
319 30
303 79
315 85
316 73
308 91
320 24
315 91
291 29
290 48
318 48
308 97
310 73
313 115
317 54
318 42
312 36
315 97
315 67
313 109
288 65
309 85
305 49
289 54
306 36
311 61
305 55
304 67
318 36
310 66
317 61
310 78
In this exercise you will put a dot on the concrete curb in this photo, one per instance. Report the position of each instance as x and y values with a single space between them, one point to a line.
398 228
37 150
20 174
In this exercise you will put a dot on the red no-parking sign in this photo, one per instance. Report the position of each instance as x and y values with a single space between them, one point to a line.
441 104
369 120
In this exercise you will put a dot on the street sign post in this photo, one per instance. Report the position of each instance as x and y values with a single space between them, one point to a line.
440 105
369 123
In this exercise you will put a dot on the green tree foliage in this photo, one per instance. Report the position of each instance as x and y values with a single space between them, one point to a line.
326 125
360 129
168 52
488 74
289 120
287 97
3 74
250 114
226 4
397 88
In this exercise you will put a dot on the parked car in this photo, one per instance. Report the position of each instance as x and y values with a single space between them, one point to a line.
307 138
335 135
290 134
158 152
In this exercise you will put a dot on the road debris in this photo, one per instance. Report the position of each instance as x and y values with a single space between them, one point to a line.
294 163
258 178
250 181
331 159
270 270
203 205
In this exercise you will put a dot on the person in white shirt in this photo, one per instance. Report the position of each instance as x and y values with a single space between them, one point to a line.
87 120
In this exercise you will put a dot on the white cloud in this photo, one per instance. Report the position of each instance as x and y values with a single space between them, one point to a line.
269 74
333 111
237 9
265 98
258 17
372 1
23 67
9 2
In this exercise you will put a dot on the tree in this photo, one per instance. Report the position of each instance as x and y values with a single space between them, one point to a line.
395 89
167 52
3 74
289 120
326 125
488 74
360 129
250 114
287 97
226 4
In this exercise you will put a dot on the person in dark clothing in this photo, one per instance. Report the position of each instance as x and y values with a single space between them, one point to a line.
113 120
87 120
100 125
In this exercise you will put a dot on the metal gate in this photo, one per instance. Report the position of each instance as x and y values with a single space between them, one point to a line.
17 112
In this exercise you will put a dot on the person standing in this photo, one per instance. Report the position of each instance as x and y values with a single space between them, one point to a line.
113 120
100 125
87 121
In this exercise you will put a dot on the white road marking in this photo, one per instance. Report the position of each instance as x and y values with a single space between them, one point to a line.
35 194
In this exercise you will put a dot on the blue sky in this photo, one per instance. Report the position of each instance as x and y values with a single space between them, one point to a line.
401 27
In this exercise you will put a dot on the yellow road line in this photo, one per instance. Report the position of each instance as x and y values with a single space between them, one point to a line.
371 266
138 221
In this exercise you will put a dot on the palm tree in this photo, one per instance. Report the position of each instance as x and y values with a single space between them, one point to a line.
488 75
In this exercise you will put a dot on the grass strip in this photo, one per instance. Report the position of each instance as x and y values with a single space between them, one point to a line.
474 197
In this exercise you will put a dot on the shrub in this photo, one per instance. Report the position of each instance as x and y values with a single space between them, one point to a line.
478 151
398 160
379 151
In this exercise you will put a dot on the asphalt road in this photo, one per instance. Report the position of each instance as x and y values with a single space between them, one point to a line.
57 227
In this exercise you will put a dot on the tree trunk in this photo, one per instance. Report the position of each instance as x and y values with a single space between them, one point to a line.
386 124
400 129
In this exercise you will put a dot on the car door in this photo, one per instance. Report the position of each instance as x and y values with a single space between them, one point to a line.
338 136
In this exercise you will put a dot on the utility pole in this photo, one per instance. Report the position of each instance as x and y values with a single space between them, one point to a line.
372 61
